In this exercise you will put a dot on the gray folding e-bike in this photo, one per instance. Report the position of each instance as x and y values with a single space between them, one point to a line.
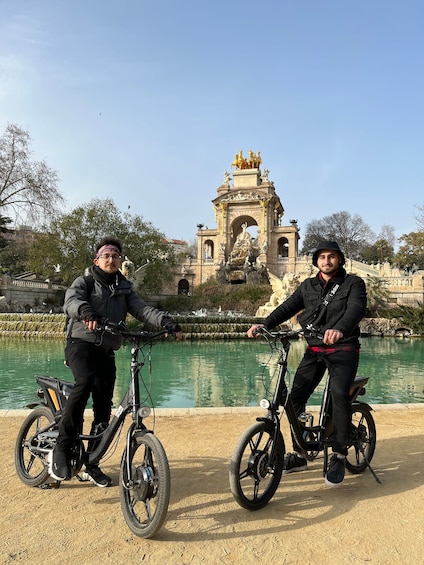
144 479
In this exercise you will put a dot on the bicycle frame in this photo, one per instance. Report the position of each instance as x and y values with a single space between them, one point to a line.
257 463
55 392
144 477
281 398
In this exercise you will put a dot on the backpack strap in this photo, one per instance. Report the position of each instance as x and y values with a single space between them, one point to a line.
89 281
326 301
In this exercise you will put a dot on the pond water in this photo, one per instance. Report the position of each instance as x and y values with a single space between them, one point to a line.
215 373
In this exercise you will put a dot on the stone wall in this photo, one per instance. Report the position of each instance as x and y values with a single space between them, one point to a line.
20 295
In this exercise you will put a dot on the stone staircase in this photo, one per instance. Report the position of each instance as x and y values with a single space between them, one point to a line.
32 325
52 326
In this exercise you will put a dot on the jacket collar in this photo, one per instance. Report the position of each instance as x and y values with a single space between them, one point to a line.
337 279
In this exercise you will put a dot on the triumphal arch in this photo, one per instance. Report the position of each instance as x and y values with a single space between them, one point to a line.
250 238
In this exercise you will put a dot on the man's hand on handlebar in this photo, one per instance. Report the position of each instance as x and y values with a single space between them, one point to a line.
174 329
88 316
332 336
254 330
90 324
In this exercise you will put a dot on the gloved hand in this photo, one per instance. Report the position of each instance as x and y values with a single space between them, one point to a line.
171 326
87 313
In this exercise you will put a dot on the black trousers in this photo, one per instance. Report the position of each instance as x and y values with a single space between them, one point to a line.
342 366
94 371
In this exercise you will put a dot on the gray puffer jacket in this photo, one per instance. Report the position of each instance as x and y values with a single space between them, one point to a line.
113 302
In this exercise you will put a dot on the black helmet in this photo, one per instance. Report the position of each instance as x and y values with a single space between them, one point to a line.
327 246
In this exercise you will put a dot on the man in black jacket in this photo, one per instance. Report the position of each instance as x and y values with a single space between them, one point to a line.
336 302
103 294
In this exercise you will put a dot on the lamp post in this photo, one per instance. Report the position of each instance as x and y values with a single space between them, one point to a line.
200 228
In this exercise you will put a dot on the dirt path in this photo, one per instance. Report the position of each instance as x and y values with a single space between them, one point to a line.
305 523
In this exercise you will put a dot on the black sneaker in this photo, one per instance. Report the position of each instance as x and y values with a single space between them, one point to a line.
94 474
293 463
60 465
336 471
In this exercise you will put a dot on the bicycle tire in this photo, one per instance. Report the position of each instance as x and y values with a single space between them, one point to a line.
31 467
145 495
362 441
253 477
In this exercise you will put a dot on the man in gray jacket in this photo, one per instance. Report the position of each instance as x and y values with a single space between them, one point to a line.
103 294
335 302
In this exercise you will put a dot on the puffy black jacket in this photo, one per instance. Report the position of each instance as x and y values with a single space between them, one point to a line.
343 313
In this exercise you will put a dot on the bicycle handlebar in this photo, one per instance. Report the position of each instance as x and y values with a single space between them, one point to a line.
277 334
289 334
122 329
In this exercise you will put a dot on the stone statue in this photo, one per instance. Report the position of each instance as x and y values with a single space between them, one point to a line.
241 251
264 247
243 238
282 289
128 269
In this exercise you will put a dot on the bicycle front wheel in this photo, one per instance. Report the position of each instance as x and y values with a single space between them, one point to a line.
146 489
31 447
362 440
256 466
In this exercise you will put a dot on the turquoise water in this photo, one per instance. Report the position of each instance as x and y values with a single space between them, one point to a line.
214 373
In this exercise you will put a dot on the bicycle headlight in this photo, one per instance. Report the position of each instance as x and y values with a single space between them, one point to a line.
264 403
144 411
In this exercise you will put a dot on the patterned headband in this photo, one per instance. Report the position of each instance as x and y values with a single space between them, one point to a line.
108 249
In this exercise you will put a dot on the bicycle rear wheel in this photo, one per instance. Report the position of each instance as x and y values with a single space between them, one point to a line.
256 466
145 493
30 459
362 440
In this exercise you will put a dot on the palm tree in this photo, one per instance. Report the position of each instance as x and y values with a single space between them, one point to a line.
378 295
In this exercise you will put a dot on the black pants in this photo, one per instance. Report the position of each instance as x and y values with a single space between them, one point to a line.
94 372
342 366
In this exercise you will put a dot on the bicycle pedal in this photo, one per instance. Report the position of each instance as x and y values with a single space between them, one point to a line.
48 486
83 478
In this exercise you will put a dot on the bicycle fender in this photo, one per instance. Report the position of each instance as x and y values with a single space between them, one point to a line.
363 405
142 432
35 405
266 419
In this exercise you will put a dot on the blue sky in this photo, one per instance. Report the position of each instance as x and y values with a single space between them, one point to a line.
147 102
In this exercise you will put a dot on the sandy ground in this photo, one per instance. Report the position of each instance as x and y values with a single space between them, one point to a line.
305 523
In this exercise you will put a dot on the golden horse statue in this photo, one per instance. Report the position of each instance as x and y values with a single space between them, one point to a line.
241 162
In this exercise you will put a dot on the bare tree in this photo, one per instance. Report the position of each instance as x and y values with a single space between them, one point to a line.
351 233
28 189
387 233
419 218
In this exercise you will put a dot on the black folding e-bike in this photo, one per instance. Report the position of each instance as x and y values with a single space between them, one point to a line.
257 462
144 479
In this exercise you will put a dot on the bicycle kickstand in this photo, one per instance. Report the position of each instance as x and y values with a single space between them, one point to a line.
373 473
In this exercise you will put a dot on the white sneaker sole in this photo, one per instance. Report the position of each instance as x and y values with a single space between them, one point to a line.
333 485
86 477
50 467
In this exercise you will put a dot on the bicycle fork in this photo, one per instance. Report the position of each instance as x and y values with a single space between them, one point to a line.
127 479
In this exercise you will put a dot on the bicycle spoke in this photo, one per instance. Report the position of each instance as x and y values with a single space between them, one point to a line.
256 466
145 494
